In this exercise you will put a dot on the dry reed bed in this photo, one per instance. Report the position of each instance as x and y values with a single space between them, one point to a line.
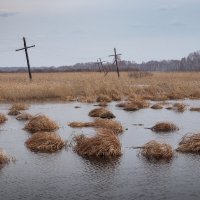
190 143
40 123
105 144
3 118
164 127
45 142
154 150
70 86
113 125
102 113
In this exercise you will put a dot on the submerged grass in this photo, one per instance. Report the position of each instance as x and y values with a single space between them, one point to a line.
190 143
3 118
104 144
46 142
164 127
179 107
197 109
40 123
24 116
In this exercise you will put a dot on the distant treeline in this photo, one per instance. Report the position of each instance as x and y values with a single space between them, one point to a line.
189 63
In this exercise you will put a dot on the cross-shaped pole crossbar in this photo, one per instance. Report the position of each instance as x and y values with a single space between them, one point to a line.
27 58
116 60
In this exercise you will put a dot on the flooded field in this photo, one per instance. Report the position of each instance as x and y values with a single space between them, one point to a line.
65 175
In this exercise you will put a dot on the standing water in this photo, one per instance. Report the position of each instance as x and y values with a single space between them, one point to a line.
65 175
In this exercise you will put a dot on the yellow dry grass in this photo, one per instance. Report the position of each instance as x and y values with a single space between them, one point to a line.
164 127
85 86
3 118
102 113
46 142
113 125
40 123
105 144
14 112
190 143
154 150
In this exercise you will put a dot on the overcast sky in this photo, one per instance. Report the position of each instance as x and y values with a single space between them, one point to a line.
70 31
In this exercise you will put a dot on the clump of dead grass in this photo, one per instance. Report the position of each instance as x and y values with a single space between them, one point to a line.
157 106
24 116
41 123
179 107
14 112
102 113
3 118
46 142
135 105
154 150
164 127
103 98
80 124
19 106
197 109
115 126
105 144
103 104
4 158
190 143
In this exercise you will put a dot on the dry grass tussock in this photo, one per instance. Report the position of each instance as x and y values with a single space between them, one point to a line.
102 113
157 106
197 109
46 142
24 116
115 126
179 107
14 112
104 144
190 143
103 98
154 150
4 158
164 127
19 106
134 105
40 123
3 118
73 86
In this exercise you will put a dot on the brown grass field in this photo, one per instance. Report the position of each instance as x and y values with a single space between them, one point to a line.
88 86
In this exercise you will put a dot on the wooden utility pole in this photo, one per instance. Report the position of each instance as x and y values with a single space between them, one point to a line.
27 58
98 64
116 60
101 63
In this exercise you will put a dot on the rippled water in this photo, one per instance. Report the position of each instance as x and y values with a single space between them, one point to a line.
65 175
